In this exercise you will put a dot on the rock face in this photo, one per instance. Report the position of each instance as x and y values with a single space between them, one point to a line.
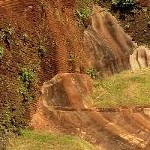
106 44
66 106
140 58
68 90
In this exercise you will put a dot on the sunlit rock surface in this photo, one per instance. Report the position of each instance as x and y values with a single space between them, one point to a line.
140 58
63 107
106 44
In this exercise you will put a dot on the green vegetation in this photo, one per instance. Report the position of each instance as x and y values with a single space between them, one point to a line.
26 77
1 51
12 111
7 35
91 72
30 140
123 3
124 89
82 14
41 51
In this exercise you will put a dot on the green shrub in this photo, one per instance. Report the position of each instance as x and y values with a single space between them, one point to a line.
82 14
123 3
7 35
91 72
26 77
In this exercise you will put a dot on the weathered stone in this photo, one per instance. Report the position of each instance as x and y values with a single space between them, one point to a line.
68 90
107 45
140 58
133 61
147 51
66 106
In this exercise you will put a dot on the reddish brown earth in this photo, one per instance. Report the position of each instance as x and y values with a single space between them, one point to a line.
143 2
115 129
44 37
29 25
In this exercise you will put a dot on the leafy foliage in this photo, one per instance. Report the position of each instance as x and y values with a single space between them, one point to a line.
41 51
123 3
82 14
91 72
7 35
27 77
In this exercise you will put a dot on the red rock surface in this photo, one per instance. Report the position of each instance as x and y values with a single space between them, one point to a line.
62 108
68 90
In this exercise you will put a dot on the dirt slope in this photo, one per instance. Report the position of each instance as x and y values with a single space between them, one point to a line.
41 37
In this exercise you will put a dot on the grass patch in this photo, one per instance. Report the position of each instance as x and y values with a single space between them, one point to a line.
124 89
30 140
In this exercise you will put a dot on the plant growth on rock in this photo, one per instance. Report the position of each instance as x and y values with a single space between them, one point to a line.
82 14
26 77
7 35
92 72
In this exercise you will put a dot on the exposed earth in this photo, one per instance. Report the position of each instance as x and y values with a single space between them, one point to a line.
51 52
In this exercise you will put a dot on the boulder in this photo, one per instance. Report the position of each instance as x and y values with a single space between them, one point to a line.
107 45
133 61
68 90
140 58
